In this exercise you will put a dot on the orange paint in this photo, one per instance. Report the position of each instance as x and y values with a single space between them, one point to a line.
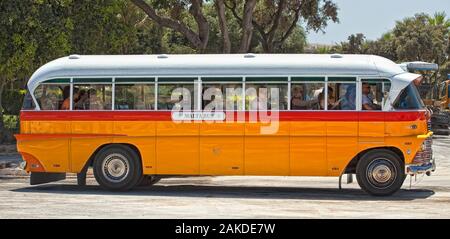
306 144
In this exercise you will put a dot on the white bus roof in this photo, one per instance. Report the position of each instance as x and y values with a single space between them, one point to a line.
215 65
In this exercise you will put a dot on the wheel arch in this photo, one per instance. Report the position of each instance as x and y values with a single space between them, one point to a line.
351 166
90 161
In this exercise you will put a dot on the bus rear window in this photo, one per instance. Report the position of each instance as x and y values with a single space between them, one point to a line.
52 96
409 99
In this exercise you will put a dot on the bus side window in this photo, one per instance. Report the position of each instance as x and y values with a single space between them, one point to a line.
306 96
341 96
134 96
92 96
259 93
374 94
51 96
176 96
222 96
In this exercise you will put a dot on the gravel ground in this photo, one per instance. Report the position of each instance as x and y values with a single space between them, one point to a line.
228 197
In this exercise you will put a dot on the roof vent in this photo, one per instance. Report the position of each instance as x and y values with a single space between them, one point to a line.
336 56
163 56
249 55
72 57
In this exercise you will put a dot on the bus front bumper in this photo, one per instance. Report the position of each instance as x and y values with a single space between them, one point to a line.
428 168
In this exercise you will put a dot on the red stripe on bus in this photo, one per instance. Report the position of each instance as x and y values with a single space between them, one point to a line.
166 116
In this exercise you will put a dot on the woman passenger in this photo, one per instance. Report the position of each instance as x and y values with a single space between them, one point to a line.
332 103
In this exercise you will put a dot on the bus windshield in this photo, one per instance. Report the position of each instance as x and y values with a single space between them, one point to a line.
409 99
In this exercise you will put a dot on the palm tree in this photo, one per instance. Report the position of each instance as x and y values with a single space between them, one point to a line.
387 36
439 19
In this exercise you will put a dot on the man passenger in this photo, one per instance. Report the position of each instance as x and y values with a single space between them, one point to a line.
367 101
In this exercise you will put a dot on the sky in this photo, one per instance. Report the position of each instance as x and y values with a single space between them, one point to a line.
373 17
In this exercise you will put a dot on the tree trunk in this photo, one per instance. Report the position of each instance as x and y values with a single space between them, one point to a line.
247 25
220 7
202 23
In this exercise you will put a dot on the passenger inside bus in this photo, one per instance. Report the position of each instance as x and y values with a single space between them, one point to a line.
298 101
81 103
367 100
348 101
332 103
66 93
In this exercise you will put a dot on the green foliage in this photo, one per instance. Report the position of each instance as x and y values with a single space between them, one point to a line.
13 97
417 39
11 123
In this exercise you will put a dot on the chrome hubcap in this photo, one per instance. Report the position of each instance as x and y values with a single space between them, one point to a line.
115 167
381 173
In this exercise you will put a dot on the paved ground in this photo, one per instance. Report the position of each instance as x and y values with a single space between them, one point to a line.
229 197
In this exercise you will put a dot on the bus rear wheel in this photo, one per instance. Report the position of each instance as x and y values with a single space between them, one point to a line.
380 173
117 168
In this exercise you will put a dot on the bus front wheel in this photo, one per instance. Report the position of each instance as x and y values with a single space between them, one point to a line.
380 172
117 168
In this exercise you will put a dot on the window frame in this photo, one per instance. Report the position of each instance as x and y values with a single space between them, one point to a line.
383 81
148 82
194 80
293 82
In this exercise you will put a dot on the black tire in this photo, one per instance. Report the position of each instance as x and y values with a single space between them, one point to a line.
448 116
149 180
445 132
437 126
440 119
117 168
380 172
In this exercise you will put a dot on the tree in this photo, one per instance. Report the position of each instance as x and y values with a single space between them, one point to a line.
355 45
385 46
275 21
158 11
439 19
416 39
37 31
270 22
31 33
104 27
220 7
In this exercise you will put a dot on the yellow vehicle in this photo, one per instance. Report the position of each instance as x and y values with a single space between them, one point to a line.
135 118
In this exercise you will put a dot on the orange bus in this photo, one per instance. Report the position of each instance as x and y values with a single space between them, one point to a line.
135 118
